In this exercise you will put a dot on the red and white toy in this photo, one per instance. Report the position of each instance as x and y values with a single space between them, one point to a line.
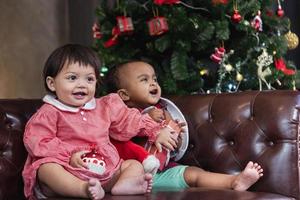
130 150
95 162
218 55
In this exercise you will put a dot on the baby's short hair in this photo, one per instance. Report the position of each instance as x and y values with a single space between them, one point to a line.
70 53
112 81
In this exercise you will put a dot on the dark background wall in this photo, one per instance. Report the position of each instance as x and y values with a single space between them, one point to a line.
32 29
81 18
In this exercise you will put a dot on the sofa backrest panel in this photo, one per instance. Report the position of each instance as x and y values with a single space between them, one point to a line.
227 130
14 113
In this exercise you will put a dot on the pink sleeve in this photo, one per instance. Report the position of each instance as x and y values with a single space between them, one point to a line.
40 137
129 122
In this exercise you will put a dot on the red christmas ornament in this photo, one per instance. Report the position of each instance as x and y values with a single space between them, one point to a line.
94 161
280 65
157 26
280 11
270 13
125 24
160 2
236 17
218 55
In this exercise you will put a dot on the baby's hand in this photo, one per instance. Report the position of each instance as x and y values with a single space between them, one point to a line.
156 114
76 161
181 125
165 138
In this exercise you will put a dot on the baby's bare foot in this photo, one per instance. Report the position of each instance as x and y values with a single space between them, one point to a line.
247 177
133 185
95 189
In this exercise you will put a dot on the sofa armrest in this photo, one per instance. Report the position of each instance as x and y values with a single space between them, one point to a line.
13 117
227 130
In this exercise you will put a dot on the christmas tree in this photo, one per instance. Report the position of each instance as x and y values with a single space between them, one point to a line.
200 46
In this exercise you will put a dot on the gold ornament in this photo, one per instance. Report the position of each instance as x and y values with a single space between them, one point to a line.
203 72
239 77
292 40
228 67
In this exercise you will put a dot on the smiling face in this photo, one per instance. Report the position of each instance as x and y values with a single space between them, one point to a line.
138 83
74 85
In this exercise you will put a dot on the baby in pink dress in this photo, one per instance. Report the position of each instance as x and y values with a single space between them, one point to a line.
71 121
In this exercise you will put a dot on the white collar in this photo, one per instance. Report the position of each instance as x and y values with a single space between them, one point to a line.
51 99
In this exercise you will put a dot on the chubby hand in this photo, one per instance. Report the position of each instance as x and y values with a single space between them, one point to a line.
157 114
76 161
179 128
166 139
181 125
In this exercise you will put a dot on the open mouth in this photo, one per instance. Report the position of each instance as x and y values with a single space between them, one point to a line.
154 91
79 93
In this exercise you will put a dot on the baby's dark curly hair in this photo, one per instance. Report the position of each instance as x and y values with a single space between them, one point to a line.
112 80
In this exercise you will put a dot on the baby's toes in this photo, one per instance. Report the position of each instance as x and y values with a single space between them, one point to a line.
255 165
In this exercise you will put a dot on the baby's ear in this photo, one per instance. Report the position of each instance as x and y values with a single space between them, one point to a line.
50 83
123 94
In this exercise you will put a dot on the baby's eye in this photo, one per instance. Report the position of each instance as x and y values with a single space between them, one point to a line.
91 79
145 79
155 79
72 77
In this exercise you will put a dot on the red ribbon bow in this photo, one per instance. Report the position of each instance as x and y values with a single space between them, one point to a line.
280 65
114 39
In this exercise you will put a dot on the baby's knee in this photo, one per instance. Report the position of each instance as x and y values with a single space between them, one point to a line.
47 168
132 162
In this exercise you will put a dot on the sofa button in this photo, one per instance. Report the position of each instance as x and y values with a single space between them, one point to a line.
9 126
191 146
231 143
271 143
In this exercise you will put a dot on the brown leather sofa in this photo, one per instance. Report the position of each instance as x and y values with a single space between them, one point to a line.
226 131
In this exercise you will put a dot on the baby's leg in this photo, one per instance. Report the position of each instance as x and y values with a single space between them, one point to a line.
63 183
247 177
132 179
197 177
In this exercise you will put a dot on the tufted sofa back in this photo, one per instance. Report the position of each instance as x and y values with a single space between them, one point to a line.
226 131
14 113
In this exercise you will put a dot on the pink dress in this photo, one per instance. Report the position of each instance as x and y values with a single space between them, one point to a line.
57 131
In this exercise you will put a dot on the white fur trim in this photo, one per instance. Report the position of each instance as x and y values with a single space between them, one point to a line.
151 164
